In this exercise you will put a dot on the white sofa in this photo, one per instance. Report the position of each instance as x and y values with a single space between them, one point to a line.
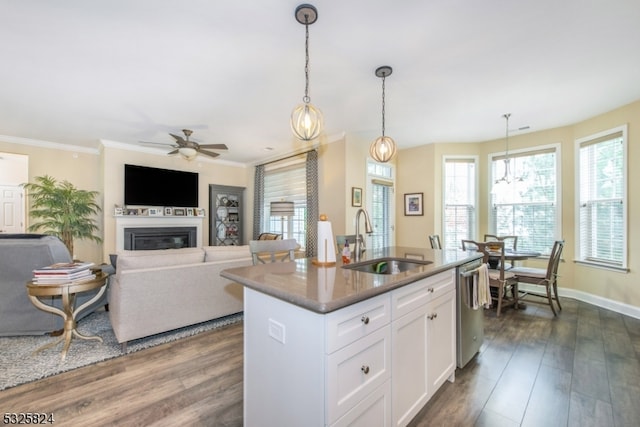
161 290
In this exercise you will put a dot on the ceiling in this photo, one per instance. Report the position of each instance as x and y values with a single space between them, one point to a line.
78 72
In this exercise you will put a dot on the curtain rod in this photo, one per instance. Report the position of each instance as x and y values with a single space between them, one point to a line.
287 157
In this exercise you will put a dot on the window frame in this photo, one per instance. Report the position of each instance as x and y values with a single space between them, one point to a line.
476 199
596 138
556 148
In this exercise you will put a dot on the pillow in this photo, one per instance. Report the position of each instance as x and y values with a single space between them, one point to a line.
270 236
159 258
223 253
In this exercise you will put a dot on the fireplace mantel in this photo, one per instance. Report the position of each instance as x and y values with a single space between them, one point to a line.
135 221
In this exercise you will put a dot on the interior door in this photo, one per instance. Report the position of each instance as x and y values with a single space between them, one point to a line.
12 212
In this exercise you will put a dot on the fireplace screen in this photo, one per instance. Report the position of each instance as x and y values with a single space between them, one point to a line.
152 238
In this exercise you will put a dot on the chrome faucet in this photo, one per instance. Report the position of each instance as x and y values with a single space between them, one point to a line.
358 246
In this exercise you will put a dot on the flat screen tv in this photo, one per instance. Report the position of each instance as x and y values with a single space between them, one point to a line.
146 186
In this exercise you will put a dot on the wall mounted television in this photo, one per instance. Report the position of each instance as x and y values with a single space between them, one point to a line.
147 186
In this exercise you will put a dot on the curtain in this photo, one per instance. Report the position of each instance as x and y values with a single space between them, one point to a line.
313 214
258 201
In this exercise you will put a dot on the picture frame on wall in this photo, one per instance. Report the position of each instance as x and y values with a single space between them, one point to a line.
413 204
356 197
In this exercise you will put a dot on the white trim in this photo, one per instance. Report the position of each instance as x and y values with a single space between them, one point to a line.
48 144
609 304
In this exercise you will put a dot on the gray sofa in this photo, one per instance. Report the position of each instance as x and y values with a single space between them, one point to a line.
160 290
20 254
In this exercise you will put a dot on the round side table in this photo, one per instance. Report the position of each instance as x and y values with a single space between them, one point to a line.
68 292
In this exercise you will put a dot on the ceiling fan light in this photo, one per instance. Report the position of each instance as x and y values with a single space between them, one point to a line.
383 149
306 122
188 153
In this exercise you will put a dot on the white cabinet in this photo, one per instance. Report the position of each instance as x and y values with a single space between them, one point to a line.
423 343
374 363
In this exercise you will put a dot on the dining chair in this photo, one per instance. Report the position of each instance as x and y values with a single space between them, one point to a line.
543 277
266 251
434 239
500 279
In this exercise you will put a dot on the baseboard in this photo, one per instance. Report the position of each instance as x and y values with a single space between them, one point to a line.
619 307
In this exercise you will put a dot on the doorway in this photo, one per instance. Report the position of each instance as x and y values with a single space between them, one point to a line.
13 173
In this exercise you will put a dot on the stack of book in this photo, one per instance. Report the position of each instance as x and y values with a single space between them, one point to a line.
63 272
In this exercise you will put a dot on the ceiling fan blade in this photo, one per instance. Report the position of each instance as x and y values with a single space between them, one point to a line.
176 151
180 140
157 143
214 146
208 153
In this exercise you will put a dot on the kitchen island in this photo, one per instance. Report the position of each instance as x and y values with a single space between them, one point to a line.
343 345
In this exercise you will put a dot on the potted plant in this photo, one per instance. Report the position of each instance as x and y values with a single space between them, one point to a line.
64 210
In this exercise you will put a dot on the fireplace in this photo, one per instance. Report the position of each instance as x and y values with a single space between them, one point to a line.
153 238
171 227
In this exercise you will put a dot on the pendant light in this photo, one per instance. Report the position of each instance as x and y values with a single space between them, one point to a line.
506 178
306 120
384 147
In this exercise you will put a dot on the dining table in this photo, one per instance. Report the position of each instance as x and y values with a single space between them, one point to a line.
510 255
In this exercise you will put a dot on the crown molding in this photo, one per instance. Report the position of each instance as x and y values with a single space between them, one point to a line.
48 144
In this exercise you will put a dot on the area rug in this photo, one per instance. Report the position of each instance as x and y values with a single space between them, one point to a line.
18 365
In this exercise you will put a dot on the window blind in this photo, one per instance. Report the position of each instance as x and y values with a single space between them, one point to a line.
602 234
527 207
287 182
459 196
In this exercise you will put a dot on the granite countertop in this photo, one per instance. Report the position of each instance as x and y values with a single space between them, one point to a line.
325 289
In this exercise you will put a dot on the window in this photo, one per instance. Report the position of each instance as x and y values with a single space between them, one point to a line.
459 201
380 204
528 205
286 182
602 199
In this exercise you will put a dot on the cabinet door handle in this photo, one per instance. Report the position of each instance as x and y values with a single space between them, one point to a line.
430 290
365 320
433 316
365 369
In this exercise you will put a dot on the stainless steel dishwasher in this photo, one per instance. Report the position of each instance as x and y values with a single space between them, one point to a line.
470 322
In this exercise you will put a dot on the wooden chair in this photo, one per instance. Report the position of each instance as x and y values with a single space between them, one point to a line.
543 277
266 251
501 280
434 239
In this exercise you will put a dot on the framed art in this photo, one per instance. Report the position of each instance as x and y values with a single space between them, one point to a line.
413 204
168 211
200 212
356 196
189 211
179 211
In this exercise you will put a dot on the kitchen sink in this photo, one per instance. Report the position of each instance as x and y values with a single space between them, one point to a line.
387 265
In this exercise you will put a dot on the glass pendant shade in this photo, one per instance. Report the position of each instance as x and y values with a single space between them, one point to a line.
188 153
383 149
306 122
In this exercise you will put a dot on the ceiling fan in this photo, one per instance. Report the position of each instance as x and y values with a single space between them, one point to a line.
189 149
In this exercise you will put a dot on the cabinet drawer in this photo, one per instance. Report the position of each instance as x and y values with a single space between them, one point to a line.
355 371
356 321
412 296
373 410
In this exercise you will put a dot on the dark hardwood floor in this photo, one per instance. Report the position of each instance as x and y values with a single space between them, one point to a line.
580 369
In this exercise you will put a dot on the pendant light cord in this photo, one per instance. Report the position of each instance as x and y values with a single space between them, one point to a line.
306 98
383 86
